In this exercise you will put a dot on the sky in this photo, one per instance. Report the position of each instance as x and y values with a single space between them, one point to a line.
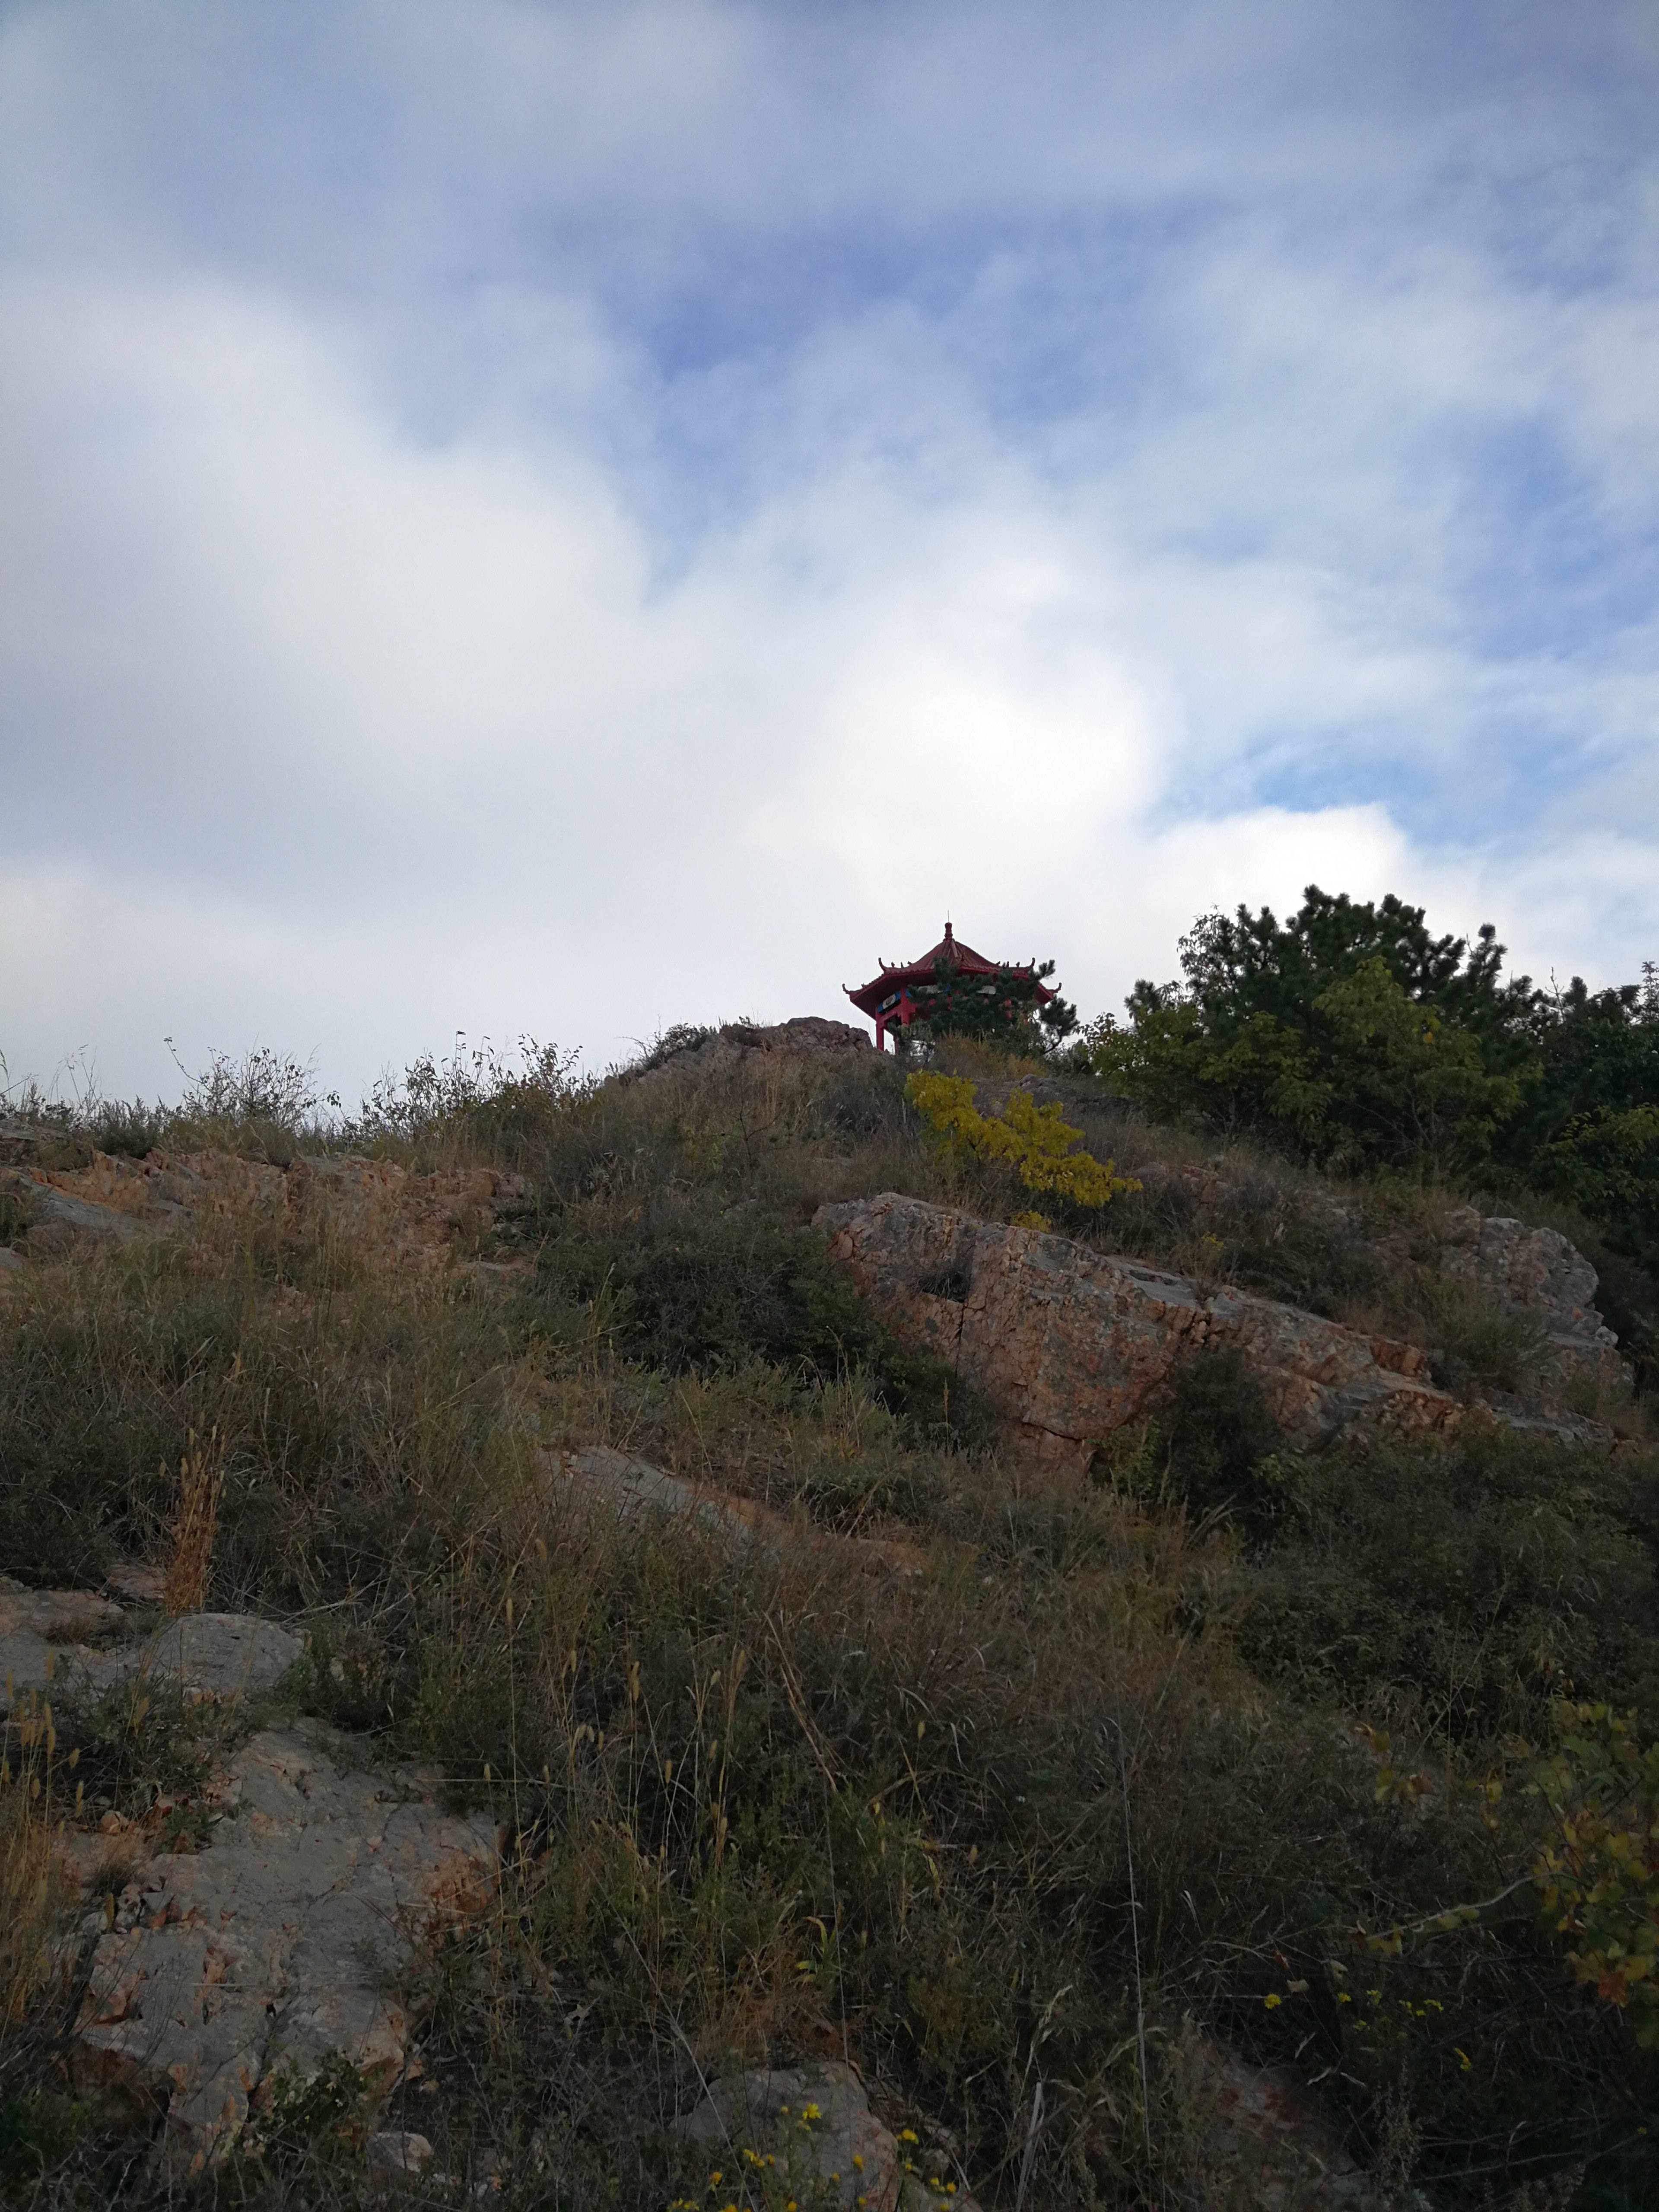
563 519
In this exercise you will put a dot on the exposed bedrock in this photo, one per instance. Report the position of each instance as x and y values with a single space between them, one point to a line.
1067 1344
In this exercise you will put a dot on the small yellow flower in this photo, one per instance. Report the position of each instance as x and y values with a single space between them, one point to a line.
858 2161
908 2134
1342 1997
1272 1999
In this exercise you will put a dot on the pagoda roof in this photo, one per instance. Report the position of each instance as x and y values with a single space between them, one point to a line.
894 976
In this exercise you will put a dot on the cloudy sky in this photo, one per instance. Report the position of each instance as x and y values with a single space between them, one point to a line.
570 518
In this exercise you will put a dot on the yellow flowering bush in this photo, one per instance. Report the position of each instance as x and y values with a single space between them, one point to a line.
1034 1141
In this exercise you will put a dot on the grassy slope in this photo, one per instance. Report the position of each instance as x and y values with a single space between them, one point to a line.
770 1803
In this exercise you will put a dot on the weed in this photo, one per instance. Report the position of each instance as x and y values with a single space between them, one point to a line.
201 1485
31 1811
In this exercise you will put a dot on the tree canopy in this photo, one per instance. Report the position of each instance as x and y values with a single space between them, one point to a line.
1354 1035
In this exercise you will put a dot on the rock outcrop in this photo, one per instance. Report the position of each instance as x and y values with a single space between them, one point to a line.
633 1489
414 1217
1538 1274
280 1943
62 1625
75 1641
813 2127
1258 2136
693 1050
1067 1344
277 1947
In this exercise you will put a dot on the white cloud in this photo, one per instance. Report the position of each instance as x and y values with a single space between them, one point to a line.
445 587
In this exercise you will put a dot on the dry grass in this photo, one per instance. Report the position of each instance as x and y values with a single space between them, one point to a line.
190 1551
29 1818
998 1826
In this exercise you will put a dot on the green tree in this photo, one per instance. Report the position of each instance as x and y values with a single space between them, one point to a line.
1005 1010
1589 1125
1348 1032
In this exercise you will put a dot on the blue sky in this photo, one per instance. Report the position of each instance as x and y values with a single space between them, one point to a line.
571 519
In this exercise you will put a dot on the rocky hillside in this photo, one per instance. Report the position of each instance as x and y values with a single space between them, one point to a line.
654 1638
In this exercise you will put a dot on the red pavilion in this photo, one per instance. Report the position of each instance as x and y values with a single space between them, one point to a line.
892 998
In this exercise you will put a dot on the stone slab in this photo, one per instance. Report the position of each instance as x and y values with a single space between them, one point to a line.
278 1946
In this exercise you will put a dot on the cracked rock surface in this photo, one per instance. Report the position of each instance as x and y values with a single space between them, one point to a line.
1067 1344
279 1945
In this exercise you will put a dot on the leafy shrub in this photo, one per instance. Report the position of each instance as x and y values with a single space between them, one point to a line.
128 1128
1468 1584
1598 1871
263 1085
1221 1440
702 1289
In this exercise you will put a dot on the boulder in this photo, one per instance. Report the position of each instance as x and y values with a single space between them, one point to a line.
19 1139
75 1640
212 1655
277 1947
1067 1344
57 1221
395 2158
813 2126
1539 1274
812 1033
1258 2136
